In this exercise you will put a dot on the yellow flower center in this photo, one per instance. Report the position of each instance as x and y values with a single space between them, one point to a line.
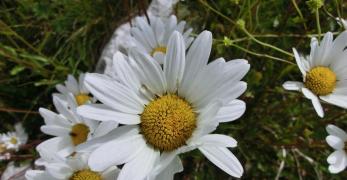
13 140
158 49
82 99
321 80
168 122
86 175
79 133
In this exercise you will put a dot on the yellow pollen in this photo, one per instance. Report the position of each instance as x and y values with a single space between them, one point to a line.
158 49
168 122
82 99
86 174
79 133
13 140
321 80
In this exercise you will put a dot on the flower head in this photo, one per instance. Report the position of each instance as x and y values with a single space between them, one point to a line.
72 168
13 140
166 110
323 72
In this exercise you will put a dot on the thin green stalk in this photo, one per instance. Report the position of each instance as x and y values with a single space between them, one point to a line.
262 55
266 44
299 12
318 24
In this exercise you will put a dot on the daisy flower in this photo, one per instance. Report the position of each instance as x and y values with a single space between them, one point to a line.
121 39
170 109
73 168
69 128
153 37
75 91
337 139
13 140
324 72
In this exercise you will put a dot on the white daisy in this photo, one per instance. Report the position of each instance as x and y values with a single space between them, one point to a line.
69 128
73 168
13 140
75 91
153 37
324 72
342 22
337 139
169 111
121 39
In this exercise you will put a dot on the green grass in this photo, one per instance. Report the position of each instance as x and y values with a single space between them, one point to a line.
43 41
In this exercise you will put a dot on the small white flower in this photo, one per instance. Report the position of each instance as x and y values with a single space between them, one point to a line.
75 92
166 110
121 39
14 172
153 37
324 72
13 140
69 128
337 139
342 22
73 168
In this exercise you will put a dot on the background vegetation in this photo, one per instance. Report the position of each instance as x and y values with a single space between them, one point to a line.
280 135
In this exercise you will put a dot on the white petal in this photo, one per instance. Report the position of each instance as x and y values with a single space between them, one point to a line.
338 100
116 152
51 118
104 128
102 113
224 159
293 85
151 74
218 140
315 101
174 62
124 71
334 157
299 62
96 142
339 166
55 130
113 94
72 84
336 131
197 58
111 173
324 49
141 166
335 142
231 111
63 108
169 172
38 175
58 170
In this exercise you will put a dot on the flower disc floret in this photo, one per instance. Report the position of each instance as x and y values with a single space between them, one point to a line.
86 175
79 133
161 49
82 99
168 122
321 80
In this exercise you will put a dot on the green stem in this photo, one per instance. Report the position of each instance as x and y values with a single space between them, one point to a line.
299 12
318 24
266 44
262 55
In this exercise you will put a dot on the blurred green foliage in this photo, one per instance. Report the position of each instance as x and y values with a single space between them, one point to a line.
43 41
